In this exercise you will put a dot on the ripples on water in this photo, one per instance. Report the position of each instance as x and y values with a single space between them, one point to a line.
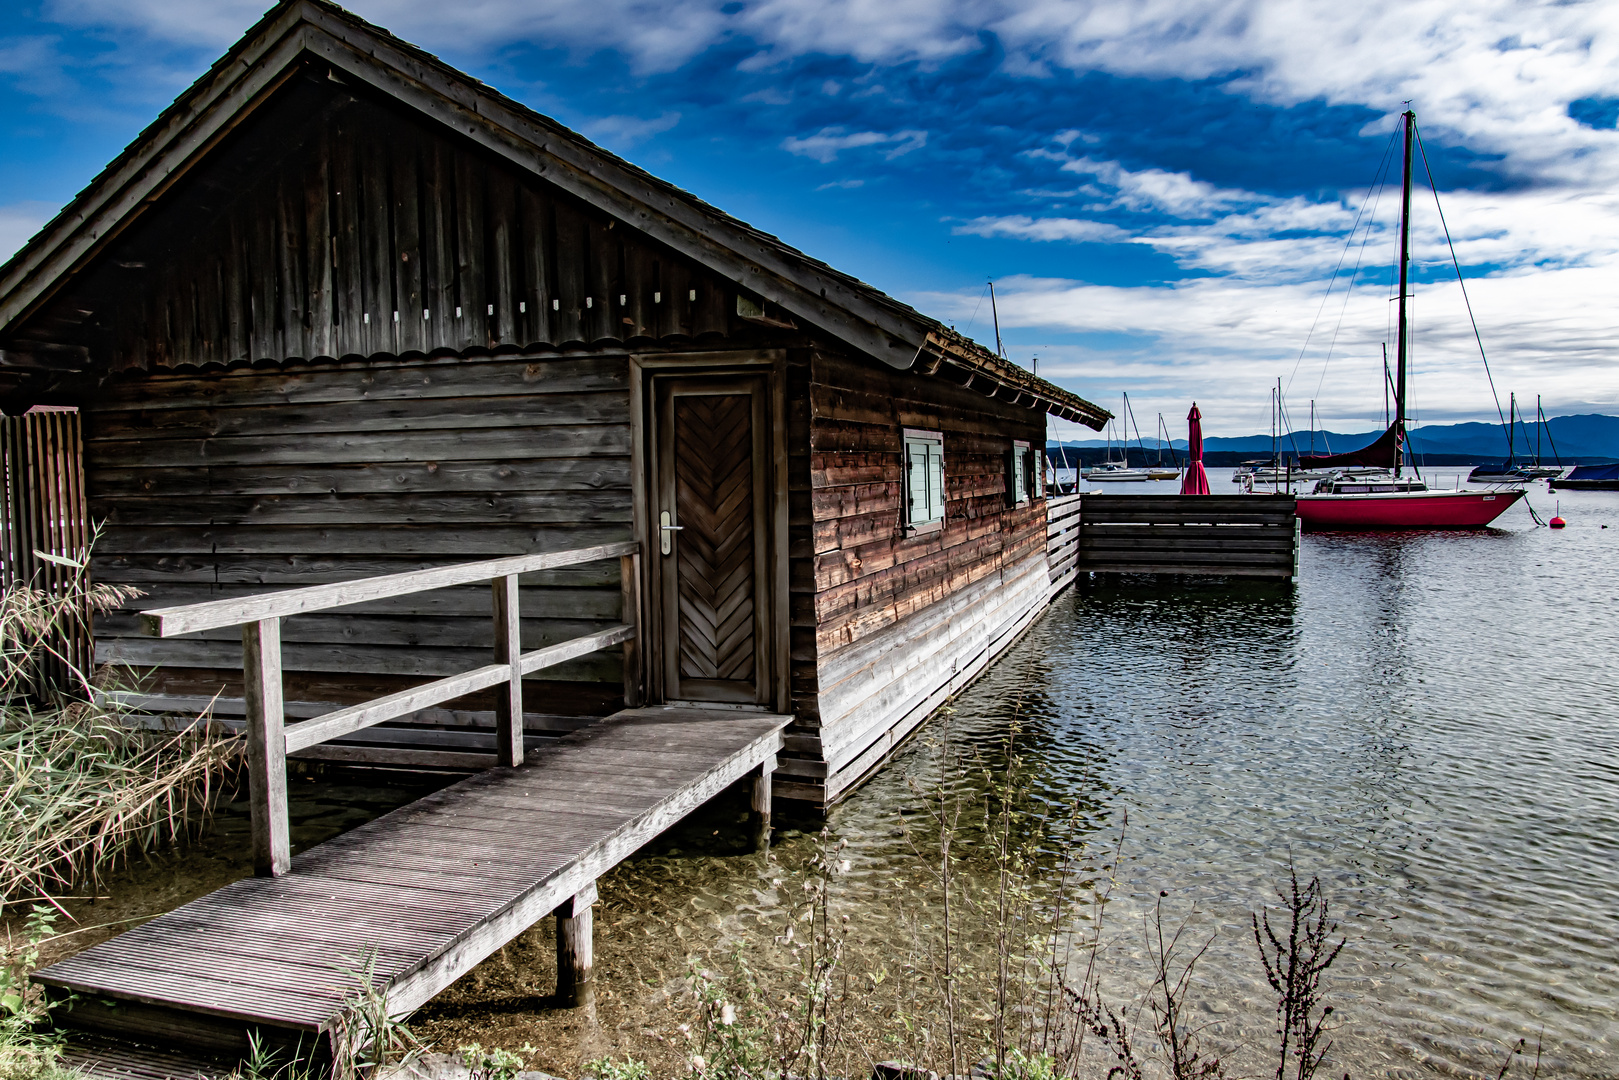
1425 721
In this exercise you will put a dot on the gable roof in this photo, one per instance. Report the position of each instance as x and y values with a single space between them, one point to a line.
849 310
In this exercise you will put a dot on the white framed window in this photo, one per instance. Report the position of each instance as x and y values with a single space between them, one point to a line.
924 480
1018 473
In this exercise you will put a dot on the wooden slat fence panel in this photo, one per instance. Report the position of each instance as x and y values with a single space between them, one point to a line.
41 454
1062 540
1225 535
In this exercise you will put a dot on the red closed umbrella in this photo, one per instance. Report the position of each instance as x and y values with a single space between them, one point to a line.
1196 481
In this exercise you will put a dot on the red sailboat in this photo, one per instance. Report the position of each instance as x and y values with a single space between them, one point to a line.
1394 500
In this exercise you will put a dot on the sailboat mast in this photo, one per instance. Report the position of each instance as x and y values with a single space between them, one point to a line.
1000 350
1405 270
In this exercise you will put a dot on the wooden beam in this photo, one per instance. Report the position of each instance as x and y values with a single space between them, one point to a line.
761 805
576 948
508 653
630 570
266 748
551 655
169 622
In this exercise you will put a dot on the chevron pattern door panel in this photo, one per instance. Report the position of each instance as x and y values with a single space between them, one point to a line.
711 475
714 503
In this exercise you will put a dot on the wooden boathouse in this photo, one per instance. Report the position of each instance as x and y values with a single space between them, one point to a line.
436 436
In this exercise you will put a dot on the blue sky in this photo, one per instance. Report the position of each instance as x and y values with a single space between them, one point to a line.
1162 191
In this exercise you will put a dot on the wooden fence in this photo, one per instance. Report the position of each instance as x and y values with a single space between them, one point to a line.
269 740
44 531
1225 535
1062 540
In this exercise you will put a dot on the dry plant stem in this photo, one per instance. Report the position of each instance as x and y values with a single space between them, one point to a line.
1294 969
1168 1001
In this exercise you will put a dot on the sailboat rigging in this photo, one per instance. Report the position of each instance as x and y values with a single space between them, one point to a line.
1392 500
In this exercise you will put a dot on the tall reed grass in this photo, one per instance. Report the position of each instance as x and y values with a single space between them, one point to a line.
79 789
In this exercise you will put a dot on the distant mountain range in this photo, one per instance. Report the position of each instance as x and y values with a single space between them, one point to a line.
1589 437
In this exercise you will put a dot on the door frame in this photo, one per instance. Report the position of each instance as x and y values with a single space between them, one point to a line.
773 591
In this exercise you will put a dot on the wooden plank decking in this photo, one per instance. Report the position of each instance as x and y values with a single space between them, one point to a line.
433 888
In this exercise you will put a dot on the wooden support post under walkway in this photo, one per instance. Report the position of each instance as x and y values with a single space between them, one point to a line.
427 891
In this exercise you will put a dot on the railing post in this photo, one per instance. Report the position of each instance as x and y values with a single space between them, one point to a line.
266 747
630 571
508 649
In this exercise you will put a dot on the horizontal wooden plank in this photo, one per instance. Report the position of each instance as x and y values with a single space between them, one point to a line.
1183 517
318 478
1188 569
305 541
398 508
364 415
167 622
371 380
370 448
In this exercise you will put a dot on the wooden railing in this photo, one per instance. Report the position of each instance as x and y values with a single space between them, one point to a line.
269 740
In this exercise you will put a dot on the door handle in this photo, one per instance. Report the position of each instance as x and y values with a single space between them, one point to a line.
664 529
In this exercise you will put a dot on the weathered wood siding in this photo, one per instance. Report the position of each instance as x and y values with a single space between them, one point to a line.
226 483
335 225
901 622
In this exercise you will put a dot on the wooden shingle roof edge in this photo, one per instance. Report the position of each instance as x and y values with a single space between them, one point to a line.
848 309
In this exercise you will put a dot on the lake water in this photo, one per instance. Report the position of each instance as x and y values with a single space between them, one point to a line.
1426 722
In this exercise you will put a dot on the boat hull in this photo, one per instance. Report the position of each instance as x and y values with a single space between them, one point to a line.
1404 510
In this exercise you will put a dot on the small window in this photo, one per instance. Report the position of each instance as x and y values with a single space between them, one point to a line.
924 479
1018 474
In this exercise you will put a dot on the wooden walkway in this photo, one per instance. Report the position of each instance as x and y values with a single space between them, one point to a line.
432 888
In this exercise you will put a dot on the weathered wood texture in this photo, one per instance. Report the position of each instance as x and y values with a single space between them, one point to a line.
433 888
1227 535
902 621
216 486
45 520
1062 540
337 224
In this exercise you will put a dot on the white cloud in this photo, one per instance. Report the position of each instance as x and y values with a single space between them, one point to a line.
625 131
1023 227
825 145
19 221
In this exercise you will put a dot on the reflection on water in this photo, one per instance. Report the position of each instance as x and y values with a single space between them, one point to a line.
1425 721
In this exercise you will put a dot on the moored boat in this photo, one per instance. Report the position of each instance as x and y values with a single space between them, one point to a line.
1392 503
1588 478
1395 501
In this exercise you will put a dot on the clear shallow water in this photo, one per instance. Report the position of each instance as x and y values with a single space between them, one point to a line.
1425 721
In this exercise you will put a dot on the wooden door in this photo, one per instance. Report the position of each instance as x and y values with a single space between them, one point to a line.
711 537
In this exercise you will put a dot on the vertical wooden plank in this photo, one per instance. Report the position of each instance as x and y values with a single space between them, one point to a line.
601 261
407 245
472 294
508 647
630 613
267 276
290 291
319 300
636 314
234 343
675 318
347 258
538 242
438 250
266 747
567 302
378 294
500 212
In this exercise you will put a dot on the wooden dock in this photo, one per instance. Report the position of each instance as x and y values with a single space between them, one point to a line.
428 891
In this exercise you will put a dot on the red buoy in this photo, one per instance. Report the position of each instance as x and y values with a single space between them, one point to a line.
1557 523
